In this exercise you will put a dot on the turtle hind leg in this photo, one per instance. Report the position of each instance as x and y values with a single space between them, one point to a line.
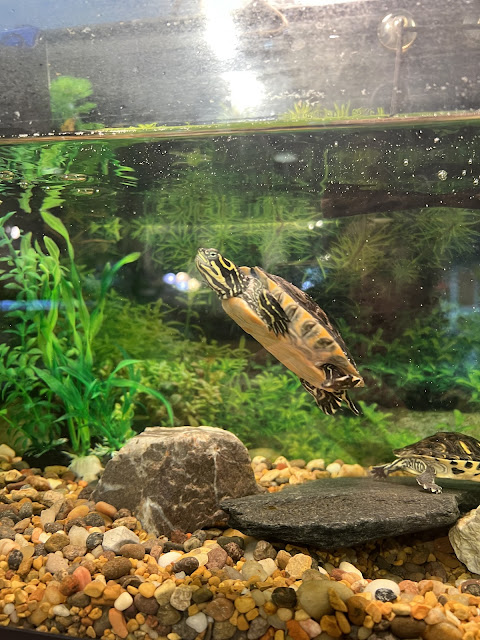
427 480
328 401
337 382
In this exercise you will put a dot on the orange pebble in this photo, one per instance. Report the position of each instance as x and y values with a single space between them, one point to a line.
295 630
117 621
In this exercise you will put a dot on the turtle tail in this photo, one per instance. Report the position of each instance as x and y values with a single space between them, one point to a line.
330 401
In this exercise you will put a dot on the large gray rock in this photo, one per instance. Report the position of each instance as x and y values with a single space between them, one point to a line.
339 512
175 478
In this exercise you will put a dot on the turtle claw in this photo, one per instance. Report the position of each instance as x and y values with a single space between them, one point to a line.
378 472
427 481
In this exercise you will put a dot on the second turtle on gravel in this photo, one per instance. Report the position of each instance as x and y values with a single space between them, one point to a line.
445 454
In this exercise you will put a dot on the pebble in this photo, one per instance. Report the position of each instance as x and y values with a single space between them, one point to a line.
94 540
186 564
123 601
116 568
388 590
198 622
56 542
132 550
181 597
220 609
117 622
92 573
253 569
114 539
407 627
313 596
169 558
284 597
298 564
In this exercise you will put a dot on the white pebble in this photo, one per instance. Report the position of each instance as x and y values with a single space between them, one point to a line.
47 516
61 610
333 468
381 583
43 537
169 557
78 536
349 568
123 601
14 617
9 608
253 568
198 622
268 565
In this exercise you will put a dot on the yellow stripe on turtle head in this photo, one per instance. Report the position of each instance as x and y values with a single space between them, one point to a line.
220 274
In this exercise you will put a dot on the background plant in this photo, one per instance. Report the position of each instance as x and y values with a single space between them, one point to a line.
53 353
68 105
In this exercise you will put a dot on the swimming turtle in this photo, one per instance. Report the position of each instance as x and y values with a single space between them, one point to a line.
288 323
445 454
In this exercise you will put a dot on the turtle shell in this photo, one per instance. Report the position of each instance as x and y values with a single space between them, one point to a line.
443 445
310 341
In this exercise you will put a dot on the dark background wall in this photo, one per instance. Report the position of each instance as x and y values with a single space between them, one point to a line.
185 61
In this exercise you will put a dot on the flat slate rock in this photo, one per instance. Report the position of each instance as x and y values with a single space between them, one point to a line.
332 513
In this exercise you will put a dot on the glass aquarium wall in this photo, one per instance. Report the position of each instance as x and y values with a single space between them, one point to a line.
108 327
77 65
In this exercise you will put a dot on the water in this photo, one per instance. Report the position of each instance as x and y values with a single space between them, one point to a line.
380 225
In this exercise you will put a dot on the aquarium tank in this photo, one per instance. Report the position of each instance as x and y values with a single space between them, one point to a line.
324 156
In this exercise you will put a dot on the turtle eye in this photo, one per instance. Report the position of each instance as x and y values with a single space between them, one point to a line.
211 254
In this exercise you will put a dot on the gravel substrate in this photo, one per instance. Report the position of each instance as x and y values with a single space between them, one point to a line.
72 566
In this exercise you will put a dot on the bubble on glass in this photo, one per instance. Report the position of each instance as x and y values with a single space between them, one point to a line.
464 172
311 226
442 174
319 223
475 182
7 175
470 161
405 162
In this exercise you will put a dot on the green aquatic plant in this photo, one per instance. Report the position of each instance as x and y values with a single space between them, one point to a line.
50 368
304 111
67 103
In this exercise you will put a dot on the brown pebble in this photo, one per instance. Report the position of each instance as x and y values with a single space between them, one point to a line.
356 606
69 585
442 631
217 558
220 609
407 627
56 542
129 521
105 508
116 568
129 550
149 606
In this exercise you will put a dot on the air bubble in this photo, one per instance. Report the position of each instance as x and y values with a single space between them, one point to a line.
405 162
442 174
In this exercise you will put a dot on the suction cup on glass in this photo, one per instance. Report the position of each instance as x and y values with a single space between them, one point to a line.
395 26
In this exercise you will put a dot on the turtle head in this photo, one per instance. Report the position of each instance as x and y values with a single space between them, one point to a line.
220 274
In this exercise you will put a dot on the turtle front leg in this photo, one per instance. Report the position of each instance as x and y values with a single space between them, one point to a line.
427 480
272 313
